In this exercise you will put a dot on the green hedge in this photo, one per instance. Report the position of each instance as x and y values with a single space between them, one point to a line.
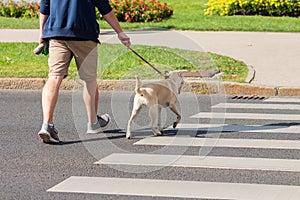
254 7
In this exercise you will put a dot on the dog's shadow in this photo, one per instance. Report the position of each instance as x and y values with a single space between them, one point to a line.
226 129
201 132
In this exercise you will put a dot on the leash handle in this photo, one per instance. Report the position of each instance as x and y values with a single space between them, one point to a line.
146 61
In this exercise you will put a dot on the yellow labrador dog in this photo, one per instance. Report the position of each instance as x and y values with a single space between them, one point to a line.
154 96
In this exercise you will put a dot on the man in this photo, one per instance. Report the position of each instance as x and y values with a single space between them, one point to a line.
71 28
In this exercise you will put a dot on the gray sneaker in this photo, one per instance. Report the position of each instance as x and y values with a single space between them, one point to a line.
48 134
102 123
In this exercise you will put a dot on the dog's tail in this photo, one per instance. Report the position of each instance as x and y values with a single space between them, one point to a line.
138 85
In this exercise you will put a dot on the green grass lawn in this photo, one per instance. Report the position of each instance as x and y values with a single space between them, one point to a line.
116 62
188 15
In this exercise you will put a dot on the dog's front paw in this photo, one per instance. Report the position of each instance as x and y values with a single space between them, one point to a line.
158 133
128 135
162 131
175 124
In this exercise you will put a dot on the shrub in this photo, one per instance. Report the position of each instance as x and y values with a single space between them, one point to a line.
18 9
254 7
125 10
141 11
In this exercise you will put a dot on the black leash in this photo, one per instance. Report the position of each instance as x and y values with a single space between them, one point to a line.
152 66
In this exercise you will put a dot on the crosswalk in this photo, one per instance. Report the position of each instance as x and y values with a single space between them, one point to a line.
220 142
178 189
262 116
286 124
205 162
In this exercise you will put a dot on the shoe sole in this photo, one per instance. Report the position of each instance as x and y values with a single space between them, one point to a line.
94 131
46 138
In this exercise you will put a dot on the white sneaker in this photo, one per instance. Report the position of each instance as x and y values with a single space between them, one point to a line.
102 123
48 134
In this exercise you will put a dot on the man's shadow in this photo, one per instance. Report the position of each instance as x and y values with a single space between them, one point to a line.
105 135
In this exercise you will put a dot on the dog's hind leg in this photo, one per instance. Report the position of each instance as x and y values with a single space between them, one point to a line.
159 120
154 111
135 111
174 108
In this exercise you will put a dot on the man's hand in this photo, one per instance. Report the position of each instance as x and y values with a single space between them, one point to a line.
124 39
114 23
41 40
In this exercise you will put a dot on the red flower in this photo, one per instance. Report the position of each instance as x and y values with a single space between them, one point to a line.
139 10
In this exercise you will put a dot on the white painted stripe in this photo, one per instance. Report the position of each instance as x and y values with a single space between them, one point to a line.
262 116
258 106
220 142
241 163
283 100
176 189
218 128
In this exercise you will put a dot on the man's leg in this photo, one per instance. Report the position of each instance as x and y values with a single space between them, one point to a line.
90 99
49 97
48 133
59 60
96 99
87 60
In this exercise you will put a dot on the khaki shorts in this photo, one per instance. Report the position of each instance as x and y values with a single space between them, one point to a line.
85 54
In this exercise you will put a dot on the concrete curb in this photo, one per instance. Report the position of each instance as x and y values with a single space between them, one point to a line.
251 74
22 83
196 86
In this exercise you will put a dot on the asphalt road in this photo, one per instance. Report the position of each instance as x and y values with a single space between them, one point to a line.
29 168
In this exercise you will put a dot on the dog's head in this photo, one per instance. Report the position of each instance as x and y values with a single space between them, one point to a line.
177 77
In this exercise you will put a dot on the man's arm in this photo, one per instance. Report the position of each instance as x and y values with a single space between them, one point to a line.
44 14
113 21
43 19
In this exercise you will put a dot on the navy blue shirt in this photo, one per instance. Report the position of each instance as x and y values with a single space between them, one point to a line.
73 18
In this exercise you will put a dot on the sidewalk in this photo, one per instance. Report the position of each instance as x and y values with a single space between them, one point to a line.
274 56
